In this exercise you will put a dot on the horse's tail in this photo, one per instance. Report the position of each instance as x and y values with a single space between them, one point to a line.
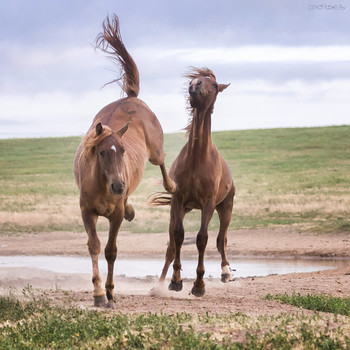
110 41
158 199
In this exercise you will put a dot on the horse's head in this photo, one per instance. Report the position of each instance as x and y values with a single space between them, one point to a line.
203 88
110 153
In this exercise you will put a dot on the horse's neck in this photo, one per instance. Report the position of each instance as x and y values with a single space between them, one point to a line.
199 141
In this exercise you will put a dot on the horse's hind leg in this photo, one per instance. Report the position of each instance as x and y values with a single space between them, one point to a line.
168 184
224 210
111 254
94 246
154 142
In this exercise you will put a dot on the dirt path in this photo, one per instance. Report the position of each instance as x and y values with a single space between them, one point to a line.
134 295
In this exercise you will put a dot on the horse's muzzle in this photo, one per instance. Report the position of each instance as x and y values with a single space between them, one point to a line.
195 88
118 188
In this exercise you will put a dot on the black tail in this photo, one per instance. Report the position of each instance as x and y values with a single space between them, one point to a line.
110 41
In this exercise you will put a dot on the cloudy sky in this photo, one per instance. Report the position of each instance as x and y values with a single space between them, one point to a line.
288 61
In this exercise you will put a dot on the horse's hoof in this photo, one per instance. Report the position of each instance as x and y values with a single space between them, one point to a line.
176 286
129 216
173 189
110 305
100 301
226 278
109 296
198 292
226 275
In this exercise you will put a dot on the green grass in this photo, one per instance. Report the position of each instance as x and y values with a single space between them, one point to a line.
35 324
298 177
321 302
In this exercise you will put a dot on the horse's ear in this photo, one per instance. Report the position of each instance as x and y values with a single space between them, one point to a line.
99 129
122 131
222 87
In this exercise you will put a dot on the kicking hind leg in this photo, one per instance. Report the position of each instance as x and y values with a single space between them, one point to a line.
224 210
168 184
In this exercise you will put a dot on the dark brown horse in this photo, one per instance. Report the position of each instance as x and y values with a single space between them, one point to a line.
111 158
204 182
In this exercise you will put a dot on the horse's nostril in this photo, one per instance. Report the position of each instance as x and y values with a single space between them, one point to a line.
199 83
118 188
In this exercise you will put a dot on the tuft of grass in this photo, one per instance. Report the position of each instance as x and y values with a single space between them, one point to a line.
321 302
36 324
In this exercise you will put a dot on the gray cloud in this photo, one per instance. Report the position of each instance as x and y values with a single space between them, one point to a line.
46 47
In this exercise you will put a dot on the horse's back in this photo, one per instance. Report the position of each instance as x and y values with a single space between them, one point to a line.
144 127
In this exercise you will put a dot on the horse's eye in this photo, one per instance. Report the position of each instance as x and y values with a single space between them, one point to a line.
101 153
123 150
216 86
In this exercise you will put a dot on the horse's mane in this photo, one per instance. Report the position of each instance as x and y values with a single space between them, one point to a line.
197 72
194 73
91 139
110 42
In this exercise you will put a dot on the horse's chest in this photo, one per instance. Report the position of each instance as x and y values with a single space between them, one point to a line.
104 207
199 187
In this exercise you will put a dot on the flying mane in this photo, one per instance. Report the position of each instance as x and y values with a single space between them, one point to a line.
193 74
196 72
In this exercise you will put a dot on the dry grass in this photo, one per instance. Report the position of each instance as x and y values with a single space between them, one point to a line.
298 177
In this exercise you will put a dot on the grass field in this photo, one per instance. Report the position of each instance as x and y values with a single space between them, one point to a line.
297 177
284 177
34 324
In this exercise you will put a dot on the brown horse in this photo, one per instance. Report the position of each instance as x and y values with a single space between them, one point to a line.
204 182
111 158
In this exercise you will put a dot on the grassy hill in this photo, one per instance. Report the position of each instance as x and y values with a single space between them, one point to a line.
298 177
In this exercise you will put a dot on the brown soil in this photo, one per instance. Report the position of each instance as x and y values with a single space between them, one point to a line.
135 295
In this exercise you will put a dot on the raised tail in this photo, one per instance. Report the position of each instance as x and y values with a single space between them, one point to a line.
110 41
159 199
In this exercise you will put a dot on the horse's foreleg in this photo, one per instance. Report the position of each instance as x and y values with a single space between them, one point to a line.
168 184
176 230
111 254
94 246
170 252
169 256
129 213
224 210
201 242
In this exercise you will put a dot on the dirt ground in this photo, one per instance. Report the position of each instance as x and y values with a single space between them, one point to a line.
146 295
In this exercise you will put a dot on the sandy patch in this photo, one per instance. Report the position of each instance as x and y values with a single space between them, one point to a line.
135 295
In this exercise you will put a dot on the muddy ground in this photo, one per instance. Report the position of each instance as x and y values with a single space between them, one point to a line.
145 295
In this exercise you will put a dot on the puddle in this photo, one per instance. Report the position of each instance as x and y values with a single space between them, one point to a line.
142 268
